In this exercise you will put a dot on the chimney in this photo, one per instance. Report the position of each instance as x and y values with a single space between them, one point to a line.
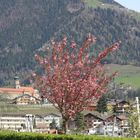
17 83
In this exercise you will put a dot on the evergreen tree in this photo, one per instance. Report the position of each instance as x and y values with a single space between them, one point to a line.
34 123
79 121
102 104
53 124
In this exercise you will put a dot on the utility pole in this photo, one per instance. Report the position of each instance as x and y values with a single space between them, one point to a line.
114 125
105 127
138 110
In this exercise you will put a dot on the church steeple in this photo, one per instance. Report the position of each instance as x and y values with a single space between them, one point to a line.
17 83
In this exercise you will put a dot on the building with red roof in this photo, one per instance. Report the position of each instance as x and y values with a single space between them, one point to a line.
18 90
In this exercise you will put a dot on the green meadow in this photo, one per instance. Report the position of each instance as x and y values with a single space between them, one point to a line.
132 80
92 3
127 74
97 3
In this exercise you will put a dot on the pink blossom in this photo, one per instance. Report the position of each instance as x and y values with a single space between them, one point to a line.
41 62
33 74
45 61
73 45
64 41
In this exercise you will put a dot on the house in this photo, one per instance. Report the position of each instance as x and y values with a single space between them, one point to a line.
50 117
40 123
109 126
119 106
114 124
108 129
111 105
123 123
91 107
122 106
26 99
11 93
113 118
92 120
109 118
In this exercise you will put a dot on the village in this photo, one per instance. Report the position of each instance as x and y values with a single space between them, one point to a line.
112 123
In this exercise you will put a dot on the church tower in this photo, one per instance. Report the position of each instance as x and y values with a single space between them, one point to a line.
17 83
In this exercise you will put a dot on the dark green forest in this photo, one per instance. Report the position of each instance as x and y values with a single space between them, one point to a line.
26 25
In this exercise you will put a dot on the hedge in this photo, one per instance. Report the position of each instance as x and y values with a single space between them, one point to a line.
35 136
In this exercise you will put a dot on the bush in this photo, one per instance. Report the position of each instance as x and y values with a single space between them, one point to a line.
6 135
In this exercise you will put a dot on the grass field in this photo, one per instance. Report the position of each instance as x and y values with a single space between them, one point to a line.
97 3
92 3
133 80
127 74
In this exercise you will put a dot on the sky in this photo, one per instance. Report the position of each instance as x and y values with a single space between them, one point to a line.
130 4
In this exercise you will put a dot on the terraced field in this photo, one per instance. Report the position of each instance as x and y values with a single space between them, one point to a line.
27 109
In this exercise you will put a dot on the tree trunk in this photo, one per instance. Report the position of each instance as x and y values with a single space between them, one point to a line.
65 125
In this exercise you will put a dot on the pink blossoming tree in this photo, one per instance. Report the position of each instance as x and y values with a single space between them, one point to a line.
72 78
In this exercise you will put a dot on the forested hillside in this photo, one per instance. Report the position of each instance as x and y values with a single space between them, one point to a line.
25 25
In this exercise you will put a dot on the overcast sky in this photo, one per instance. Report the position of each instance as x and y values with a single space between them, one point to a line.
131 4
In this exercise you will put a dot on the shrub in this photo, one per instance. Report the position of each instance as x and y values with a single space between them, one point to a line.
7 135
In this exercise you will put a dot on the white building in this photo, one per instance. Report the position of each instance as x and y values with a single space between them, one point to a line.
28 122
12 122
50 117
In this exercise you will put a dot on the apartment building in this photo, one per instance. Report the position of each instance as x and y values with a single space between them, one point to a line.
15 122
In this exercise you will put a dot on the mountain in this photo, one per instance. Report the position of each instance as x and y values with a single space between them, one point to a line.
25 25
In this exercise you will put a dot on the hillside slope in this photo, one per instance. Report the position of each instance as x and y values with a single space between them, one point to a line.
25 25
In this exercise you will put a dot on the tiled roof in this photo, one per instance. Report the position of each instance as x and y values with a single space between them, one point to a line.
20 90
28 89
122 117
94 113
11 90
